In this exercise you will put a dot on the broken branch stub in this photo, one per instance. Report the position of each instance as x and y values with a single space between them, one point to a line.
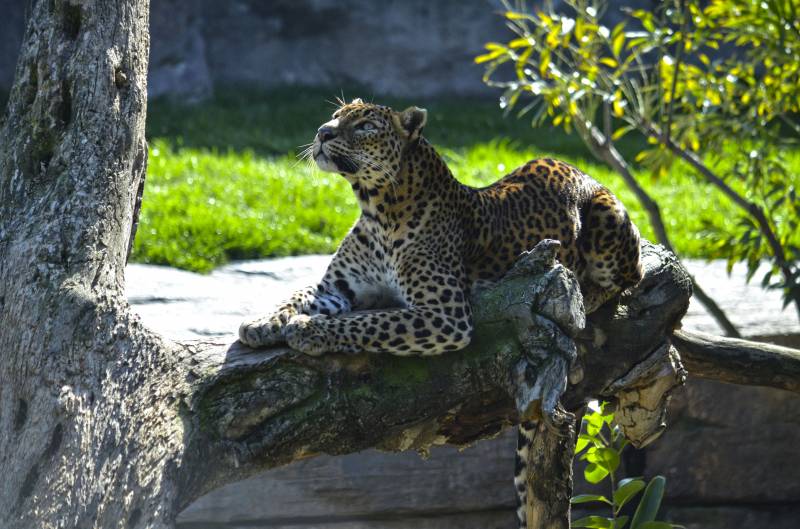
642 396
547 316
546 332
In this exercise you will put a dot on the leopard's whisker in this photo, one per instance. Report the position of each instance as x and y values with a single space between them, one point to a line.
304 156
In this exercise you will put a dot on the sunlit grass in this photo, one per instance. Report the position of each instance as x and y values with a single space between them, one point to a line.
224 183
203 208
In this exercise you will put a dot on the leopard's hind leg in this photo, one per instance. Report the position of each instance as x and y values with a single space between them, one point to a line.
609 244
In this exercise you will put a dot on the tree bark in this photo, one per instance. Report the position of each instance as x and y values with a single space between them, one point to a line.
104 424
739 361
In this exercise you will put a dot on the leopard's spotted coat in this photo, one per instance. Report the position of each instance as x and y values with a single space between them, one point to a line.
400 281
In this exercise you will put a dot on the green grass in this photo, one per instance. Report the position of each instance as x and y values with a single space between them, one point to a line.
203 208
223 182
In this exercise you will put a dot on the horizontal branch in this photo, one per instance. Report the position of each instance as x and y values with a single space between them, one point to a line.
252 410
739 361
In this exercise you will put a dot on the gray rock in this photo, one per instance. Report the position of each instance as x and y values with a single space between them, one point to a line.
754 311
178 66
374 486
184 305
414 47
728 444
736 517
12 27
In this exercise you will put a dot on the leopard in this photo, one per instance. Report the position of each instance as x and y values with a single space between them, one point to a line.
400 281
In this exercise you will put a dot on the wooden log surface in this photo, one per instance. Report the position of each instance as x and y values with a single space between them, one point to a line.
739 361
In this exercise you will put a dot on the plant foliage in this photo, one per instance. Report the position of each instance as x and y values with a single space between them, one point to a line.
600 444
712 84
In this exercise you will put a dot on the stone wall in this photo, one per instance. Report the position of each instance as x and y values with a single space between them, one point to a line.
12 25
400 47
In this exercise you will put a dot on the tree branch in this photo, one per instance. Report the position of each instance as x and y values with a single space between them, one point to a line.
751 208
253 410
739 361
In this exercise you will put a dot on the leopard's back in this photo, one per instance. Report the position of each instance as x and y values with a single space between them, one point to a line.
550 199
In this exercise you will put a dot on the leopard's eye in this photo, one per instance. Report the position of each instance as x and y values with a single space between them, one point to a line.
365 126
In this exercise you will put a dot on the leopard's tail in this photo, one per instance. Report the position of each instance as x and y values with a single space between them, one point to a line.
524 441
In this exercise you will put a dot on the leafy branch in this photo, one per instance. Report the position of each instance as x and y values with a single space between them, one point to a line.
600 444
662 76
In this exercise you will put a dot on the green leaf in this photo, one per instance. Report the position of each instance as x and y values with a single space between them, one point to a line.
514 15
544 62
620 132
595 522
595 420
635 43
519 43
594 473
618 43
583 442
586 498
608 458
593 428
489 56
607 414
650 503
627 489
621 521
625 481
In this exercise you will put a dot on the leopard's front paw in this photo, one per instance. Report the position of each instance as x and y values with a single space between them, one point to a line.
308 335
269 330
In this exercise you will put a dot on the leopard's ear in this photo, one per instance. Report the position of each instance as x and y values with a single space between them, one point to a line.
357 101
411 121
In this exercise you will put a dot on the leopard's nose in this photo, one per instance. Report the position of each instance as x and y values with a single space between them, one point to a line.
326 133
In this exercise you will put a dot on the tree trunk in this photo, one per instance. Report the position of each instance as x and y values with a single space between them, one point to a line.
90 430
104 424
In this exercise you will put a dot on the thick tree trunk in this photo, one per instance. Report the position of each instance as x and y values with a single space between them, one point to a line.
104 424
90 429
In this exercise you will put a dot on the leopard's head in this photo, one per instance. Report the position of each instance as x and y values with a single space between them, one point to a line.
365 142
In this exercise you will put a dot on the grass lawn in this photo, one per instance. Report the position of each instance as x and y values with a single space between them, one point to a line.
224 182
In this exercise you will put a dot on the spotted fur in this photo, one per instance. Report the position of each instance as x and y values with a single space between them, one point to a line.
400 281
